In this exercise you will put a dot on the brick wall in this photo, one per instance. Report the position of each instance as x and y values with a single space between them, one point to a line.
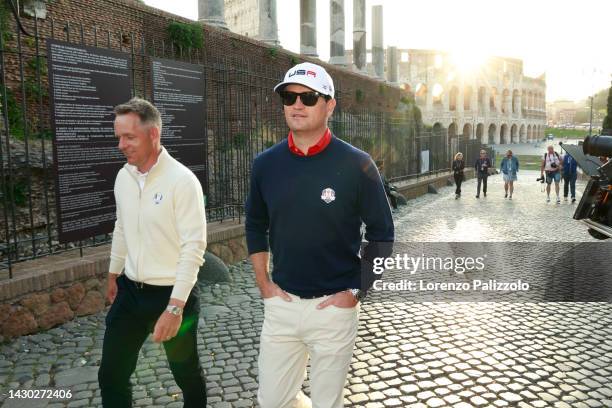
132 17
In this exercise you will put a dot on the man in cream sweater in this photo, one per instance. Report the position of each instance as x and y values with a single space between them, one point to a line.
158 247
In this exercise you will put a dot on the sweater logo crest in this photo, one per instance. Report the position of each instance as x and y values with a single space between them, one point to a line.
157 198
328 195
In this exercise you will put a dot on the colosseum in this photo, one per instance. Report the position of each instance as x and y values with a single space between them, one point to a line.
495 103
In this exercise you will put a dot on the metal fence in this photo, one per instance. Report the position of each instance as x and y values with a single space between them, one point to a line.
242 118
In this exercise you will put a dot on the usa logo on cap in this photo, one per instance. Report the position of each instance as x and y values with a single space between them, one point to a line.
328 195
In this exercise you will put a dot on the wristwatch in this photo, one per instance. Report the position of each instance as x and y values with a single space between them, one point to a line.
175 310
358 294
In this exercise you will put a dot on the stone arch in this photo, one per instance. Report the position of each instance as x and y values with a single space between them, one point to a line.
514 134
452 98
504 135
493 99
515 101
522 134
529 134
482 94
480 133
420 94
504 100
453 140
467 98
492 134
467 131
437 129
437 94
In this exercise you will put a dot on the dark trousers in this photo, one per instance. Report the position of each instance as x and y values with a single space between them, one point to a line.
482 179
129 322
458 181
569 180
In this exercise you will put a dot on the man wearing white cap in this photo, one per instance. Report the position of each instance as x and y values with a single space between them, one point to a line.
308 197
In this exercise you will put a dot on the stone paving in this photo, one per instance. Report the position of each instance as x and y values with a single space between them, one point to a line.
407 354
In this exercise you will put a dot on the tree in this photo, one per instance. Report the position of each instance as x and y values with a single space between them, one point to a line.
607 122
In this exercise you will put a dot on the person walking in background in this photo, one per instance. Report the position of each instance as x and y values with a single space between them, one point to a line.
570 173
551 164
482 166
392 200
458 167
509 167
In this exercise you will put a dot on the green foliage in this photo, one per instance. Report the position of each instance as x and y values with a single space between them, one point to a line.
18 194
5 14
382 89
567 133
269 143
273 52
239 140
15 114
186 35
294 60
416 114
359 95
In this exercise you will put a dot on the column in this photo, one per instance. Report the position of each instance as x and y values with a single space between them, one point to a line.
378 52
308 28
212 12
392 65
359 35
460 98
268 26
337 34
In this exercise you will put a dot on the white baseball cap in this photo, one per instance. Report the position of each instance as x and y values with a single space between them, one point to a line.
310 75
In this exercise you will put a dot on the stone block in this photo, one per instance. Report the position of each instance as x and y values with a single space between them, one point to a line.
75 294
93 302
37 303
222 251
58 295
19 322
57 313
92 283
213 270
238 248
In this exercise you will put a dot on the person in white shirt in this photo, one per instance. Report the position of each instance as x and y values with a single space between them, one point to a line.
552 165
158 247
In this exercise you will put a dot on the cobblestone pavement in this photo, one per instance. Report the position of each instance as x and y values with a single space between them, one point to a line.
407 354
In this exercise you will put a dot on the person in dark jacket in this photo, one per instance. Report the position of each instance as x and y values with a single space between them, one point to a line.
482 165
570 173
458 167
392 199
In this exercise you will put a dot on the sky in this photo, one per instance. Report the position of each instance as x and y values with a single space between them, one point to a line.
567 40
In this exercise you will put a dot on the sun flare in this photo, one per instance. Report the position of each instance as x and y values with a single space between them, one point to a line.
468 61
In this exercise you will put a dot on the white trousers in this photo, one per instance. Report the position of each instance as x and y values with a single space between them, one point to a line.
293 331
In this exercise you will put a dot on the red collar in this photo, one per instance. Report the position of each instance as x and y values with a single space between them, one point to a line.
312 150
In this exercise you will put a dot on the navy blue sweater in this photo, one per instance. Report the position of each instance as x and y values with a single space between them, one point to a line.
315 244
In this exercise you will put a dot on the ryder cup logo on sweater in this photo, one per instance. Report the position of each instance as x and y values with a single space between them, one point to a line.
157 198
328 195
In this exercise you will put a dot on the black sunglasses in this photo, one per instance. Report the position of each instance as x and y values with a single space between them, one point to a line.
308 98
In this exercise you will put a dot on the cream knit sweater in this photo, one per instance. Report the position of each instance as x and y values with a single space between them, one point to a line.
160 232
